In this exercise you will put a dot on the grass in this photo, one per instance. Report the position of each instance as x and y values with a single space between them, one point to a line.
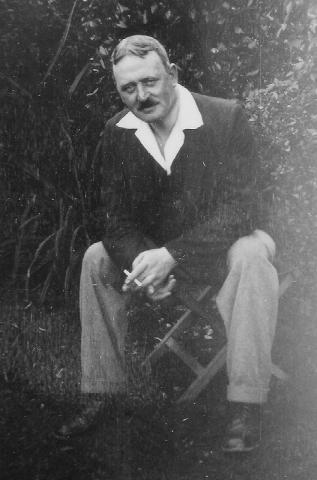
40 348
145 435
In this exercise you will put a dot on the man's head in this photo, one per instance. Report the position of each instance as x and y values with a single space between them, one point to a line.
145 78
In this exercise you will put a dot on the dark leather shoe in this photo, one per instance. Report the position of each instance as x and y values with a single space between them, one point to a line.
84 421
243 433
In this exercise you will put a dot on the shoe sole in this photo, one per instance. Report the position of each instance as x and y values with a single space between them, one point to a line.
67 436
78 432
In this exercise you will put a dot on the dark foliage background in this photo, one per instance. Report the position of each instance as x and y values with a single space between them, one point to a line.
56 92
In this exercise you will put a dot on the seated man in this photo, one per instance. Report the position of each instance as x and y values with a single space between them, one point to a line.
179 194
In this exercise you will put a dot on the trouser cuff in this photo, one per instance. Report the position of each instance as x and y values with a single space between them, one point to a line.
246 394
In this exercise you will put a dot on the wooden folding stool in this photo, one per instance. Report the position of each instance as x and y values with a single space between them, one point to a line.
203 373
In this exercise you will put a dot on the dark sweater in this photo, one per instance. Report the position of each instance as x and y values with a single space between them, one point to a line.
198 211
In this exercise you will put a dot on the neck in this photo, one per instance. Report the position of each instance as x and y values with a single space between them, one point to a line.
164 126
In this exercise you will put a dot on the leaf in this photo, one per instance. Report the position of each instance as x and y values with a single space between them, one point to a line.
193 14
289 7
121 24
144 18
238 30
253 73
73 239
46 286
93 93
16 85
38 251
312 131
154 7
281 29
62 42
122 8
222 47
295 43
168 14
78 78
36 255
30 220
252 44
298 66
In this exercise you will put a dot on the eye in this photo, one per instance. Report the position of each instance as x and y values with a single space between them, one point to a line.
129 88
149 82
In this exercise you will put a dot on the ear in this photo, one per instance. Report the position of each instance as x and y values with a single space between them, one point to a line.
174 73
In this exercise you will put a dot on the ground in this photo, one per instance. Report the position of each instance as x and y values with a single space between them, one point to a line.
147 436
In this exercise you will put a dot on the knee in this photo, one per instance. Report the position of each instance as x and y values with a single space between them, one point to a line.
97 265
258 245
93 256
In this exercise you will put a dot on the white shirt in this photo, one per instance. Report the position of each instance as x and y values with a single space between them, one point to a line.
189 117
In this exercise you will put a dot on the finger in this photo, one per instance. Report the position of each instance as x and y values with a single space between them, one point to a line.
150 290
170 284
163 291
149 280
137 260
133 285
158 281
159 296
136 273
130 287
160 288
149 276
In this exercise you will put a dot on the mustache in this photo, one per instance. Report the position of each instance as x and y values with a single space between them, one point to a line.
146 104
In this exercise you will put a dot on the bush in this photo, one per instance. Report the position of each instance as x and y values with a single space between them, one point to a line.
284 117
57 91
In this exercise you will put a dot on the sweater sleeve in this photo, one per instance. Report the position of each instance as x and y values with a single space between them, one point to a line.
122 239
236 210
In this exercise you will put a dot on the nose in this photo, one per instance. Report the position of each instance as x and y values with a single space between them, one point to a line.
142 93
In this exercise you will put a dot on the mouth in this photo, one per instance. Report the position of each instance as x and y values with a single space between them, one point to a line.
147 108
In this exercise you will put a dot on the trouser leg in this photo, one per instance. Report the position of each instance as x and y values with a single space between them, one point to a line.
104 324
248 303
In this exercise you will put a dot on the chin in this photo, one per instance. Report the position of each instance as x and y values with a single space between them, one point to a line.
151 116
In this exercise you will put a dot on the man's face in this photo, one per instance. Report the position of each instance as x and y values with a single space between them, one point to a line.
145 86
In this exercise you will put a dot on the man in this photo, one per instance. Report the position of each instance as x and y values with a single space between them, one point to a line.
179 195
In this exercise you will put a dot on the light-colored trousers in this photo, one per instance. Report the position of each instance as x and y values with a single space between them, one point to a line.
247 302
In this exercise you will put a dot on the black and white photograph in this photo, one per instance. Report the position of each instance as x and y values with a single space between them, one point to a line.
158 240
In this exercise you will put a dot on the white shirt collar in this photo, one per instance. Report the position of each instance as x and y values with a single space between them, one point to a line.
189 117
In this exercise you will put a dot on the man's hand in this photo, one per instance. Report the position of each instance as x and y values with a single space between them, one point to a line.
151 268
162 291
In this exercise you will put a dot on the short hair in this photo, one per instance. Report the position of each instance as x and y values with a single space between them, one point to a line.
140 46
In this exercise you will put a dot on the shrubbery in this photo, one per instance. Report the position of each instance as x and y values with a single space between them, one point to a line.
56 90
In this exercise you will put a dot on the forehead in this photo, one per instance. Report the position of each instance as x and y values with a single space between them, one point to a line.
132 68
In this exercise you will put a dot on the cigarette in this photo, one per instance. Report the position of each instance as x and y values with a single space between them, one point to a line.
136 281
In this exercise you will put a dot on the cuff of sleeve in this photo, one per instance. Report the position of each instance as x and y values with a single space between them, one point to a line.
177 253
